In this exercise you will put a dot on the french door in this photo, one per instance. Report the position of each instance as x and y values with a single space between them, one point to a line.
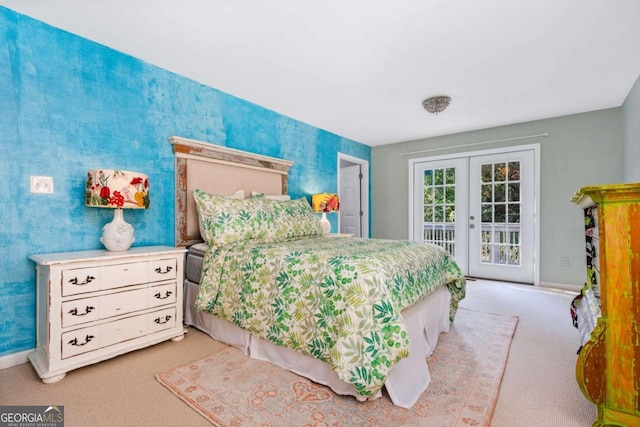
440 194
481 209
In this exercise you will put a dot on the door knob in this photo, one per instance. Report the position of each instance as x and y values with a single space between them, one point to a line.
472 226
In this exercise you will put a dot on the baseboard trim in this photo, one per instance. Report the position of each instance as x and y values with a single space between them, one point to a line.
563 286
14 359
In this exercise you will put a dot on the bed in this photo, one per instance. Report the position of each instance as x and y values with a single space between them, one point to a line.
358 315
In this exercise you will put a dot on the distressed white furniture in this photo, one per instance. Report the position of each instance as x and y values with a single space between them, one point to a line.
94 305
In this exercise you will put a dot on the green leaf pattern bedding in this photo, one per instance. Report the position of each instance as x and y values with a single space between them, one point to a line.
337 299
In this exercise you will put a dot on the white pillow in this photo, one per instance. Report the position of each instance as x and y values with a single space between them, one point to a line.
278 197
237 195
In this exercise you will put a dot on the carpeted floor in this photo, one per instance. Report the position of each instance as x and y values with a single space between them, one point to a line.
538 387
230 389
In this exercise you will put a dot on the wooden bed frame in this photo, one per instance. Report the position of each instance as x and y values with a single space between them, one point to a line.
219 170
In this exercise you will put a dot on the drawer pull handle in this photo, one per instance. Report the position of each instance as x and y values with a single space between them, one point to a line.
87 310
166 295
87 339
168 269
159 320
89 279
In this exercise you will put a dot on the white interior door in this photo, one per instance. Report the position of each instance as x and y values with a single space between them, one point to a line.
350 200
501 216
481 209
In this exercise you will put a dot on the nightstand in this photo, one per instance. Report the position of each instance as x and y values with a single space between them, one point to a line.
95 305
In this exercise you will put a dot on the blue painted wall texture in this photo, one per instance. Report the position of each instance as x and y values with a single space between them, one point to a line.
68 105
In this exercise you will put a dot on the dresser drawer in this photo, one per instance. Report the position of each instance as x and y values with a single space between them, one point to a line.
84 280
162 319
162 294
104 306
163 269
92 338
80 280
80 311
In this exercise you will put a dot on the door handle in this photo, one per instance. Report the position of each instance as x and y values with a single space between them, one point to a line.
472 226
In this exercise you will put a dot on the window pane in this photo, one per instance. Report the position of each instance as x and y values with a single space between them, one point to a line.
514 255
499 213
438 213
428 195
450 176
487 213
499 193
428 177
439 177
450 194
487 193
485 254
438 195
428 213
514 214
485 173
514 171
499 172
502 255
450 213
514 192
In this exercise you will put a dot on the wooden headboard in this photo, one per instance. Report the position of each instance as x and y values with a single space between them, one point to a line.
219 170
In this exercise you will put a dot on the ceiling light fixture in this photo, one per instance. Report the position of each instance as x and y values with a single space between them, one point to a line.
436 104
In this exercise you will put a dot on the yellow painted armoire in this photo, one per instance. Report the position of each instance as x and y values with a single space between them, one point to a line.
608 365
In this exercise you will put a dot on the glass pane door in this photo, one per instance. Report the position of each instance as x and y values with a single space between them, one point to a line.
501 216
500 213
440 206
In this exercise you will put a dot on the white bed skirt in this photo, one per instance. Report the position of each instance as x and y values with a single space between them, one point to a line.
407 381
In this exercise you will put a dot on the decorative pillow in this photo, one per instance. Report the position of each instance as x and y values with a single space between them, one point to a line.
278 197
237 195
296 219
226 220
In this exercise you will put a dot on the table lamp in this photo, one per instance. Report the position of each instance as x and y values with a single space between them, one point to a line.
117 189
325 203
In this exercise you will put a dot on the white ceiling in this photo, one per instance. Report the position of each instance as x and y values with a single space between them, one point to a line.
361 68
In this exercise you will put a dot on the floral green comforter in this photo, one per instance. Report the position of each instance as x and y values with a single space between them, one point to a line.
335 299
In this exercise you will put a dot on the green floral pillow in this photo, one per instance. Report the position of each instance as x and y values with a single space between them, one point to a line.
296 219
237 195
226 220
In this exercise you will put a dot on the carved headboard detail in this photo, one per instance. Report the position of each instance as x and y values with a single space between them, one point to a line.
219 170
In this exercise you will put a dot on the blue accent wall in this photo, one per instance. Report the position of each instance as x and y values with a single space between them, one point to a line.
68 105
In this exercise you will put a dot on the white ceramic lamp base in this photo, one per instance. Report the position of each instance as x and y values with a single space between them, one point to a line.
325 224
118 234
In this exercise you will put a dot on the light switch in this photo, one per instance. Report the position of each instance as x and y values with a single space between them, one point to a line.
41 184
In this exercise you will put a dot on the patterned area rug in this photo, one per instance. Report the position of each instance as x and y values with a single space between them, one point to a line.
230 389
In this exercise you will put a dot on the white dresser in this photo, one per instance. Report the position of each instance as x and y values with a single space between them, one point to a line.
94 305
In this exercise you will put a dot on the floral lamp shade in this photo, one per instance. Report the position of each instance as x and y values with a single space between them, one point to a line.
325 203
109 188
117 189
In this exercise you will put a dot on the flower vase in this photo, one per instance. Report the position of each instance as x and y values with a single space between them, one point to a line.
117 235
325 224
